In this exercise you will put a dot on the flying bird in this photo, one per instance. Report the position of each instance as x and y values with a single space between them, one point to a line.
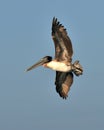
62 62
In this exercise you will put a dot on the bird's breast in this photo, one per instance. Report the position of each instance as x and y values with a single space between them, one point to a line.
58 66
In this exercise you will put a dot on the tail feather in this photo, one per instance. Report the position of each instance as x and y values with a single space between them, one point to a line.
77 68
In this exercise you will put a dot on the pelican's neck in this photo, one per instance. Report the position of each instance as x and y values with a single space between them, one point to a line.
58 66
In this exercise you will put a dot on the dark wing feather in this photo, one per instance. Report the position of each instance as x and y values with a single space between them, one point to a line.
63 83
63 45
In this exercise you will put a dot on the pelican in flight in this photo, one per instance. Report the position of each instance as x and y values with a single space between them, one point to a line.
62 63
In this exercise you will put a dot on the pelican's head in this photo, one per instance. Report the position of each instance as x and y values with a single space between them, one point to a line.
42 61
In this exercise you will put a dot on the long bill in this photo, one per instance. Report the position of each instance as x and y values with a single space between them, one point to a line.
39 63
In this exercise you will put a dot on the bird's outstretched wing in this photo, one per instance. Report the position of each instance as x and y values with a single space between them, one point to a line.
63 45
63 83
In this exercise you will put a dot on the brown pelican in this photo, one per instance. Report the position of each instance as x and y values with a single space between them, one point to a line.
62 63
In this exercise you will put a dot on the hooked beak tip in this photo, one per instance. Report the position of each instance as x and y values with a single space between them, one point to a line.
25 70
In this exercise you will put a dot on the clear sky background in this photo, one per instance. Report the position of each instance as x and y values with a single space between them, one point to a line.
28 101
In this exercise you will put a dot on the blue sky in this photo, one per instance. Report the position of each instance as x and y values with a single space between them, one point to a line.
28 101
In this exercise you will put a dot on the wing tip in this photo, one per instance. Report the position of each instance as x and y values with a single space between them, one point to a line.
61 93
56 25
55 22
54 19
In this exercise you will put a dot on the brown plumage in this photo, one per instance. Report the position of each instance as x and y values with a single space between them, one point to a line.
63 83
63 45
63 53
62 63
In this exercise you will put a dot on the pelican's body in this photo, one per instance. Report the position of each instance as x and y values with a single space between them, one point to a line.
62 63
58 66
